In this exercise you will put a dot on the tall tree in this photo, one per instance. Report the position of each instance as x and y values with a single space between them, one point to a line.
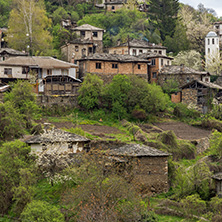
164 15
28 26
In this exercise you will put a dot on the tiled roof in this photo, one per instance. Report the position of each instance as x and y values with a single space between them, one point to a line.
207 84
150 55
56 135
114 57
87 27
37 61
136 43
12 52
137 150
174 69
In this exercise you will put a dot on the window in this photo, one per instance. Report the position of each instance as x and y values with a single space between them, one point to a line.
213 41
208 41
140 51
115 66
7 71
98 65
49 72
161 62
134 52
95 34
82 33
76 48
188 79
153 62
208 50
155 51
69 146
139 66
160 52
113 7
154 75
90 50
24 70
168 62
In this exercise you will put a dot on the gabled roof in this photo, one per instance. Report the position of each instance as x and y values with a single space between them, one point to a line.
137 43
138 151
150 55
56 135
12 52
87 27
114 58
175 70
38 62
206 84
62 76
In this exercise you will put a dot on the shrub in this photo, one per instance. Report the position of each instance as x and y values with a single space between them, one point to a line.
139 114
216 144
182 111
216 205
90 91
41 211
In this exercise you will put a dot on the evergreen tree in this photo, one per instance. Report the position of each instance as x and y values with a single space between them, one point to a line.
163 14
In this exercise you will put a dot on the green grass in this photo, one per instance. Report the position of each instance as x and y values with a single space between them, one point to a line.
167 218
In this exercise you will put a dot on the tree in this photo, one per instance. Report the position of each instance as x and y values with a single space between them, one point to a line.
24 100
214 63
28 26
90 92
14 159
190 59
41 211
164 16
5 7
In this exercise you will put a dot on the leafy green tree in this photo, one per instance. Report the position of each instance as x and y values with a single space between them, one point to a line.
116 95
59 14
28 26
12 123
90 92
41 211
14 158
24 100
170 86
5 8
163 15
216 144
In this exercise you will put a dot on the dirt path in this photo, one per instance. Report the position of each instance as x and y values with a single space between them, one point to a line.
184 131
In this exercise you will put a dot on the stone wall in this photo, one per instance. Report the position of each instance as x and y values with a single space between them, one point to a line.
176 97
189 96
152 174
65 100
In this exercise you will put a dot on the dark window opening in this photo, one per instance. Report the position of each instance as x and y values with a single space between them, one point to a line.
139 66
82 33
115 66
8 71
160 52
95 34
90 50
76 48
154 75
24 70
98 65
49 72
113 7
153 62
134 52
140 51
161 62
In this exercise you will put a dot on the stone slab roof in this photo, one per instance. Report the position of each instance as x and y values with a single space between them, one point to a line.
87 27
56 135
4 88
217 176
150 55
37 61
137 43
138 150
12 52
174 69
207 84
114 58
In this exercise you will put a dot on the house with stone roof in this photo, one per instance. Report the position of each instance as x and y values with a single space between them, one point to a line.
89 41
200 94
6 53
59 141
106 66
181 74
150 168
39 67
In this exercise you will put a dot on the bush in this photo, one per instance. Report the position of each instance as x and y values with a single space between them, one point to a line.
139 114
216 144
182 111
216 205
41 211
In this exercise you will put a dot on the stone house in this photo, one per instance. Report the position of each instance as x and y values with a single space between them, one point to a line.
218 183
156 62
36 67
57 141
6 53
151 169
113 5
181 74
106 66
136 47
89 41
200 94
